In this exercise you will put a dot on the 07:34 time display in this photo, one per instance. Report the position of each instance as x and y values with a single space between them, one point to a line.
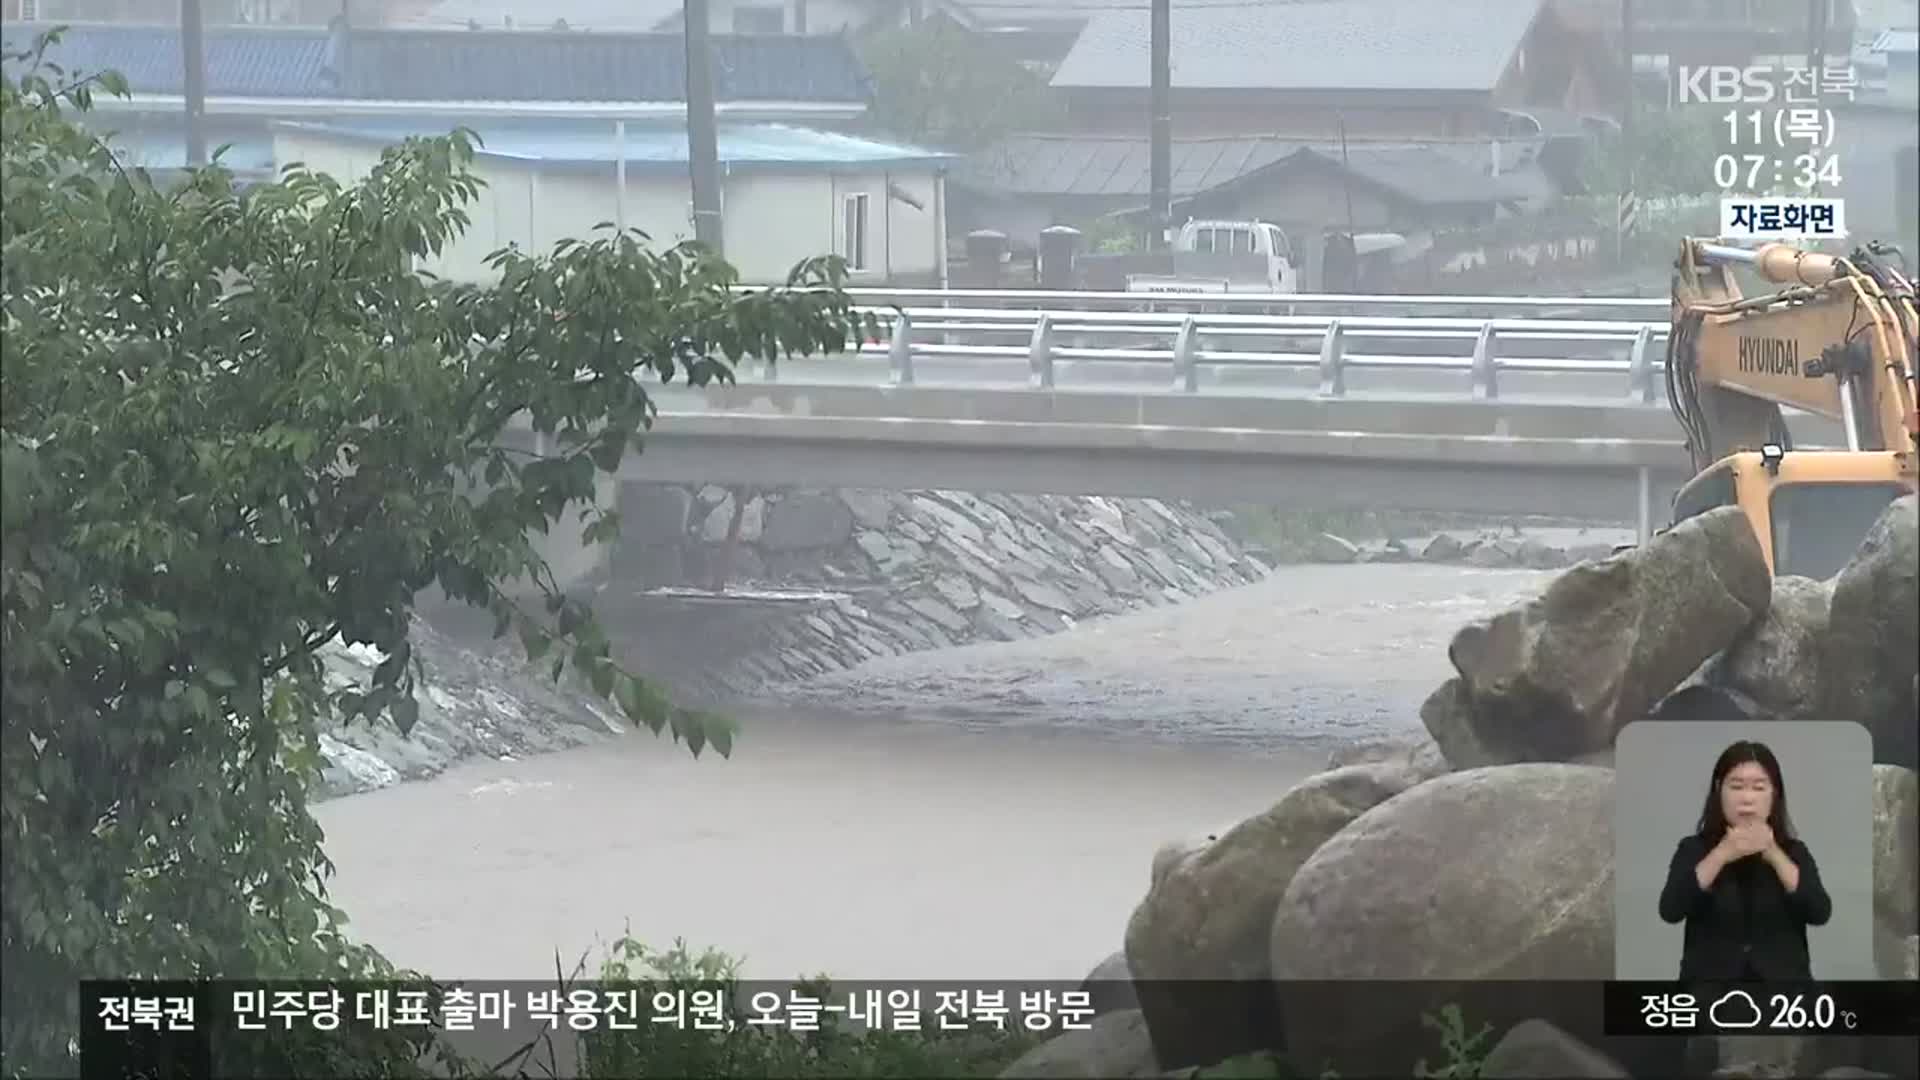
1760 171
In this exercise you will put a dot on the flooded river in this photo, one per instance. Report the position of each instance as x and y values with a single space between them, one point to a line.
982 812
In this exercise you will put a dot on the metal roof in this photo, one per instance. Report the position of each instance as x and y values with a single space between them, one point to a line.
1329 45
1082 166
634 16
647 145
461 65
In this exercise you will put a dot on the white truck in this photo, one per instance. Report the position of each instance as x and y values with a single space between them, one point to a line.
1226 256
1252 257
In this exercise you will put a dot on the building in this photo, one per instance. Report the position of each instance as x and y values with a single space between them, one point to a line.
664 16
1899 53
787 193
548 105
1371 68
258 75
1029 182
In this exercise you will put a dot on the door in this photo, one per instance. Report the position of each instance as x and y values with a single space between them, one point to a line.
1283 275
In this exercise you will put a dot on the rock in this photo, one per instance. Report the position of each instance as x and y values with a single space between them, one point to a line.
1502 873
1448 716
803 521
1775 663
1042 595
1580 553
875 546
1209 915
1171 853
1443 548
1873 636
939 613
1418 754
1560 675
1117 1045
872 509
752 520
1896 848
1541 556
1328 548
1110 986
652 515
957 591
1536 1048
1491 555
1495 873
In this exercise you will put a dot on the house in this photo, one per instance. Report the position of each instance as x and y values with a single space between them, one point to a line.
665 16
1029 182
1899 51
1333 68
212 12
548 106
786 194
257 75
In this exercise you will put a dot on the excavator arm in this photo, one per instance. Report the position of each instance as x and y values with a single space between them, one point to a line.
1841 339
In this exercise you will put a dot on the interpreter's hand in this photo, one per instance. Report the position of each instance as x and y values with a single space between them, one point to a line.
1749 838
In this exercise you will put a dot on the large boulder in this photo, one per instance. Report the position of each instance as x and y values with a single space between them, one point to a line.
1535 1048
1560 675
1775 663
1116 1045
1498 873
1896 848
1201 933
1109 985
1873 636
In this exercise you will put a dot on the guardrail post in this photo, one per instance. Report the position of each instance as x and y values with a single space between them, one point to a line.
1486 364
1645 478
900 349
1333 361
1040 354
1640 366
1186 373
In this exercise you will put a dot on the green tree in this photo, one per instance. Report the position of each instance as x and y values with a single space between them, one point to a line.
940 83
235 426
1669 153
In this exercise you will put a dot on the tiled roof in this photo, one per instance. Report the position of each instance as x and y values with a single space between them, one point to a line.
1325 45
459 65
1080 166
574 143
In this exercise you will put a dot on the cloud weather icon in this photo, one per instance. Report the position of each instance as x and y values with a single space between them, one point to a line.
1735 1009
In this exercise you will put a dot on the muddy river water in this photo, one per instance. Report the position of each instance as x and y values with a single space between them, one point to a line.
982 812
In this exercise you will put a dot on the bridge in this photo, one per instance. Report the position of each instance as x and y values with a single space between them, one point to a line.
1497 405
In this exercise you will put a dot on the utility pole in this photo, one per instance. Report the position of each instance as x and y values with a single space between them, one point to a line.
1818 14
1161 135
1627 77
193 66
703 141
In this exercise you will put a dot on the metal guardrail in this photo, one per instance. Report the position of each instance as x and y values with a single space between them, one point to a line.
1068 300
1339 343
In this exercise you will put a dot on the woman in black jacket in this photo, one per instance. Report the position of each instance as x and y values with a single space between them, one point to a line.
1746 887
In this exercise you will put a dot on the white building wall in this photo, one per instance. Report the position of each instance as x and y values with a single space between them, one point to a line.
772 221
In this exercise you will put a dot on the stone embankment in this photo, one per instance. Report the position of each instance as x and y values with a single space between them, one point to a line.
901 572
1487 851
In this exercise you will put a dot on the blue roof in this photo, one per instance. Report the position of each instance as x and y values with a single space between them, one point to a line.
647 145
459 65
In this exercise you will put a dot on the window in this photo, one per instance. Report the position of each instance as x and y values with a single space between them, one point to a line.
1708 491
1818 527
759 20
855 225
29 10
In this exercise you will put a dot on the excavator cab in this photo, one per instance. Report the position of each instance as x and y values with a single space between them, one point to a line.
1841 342
1809 508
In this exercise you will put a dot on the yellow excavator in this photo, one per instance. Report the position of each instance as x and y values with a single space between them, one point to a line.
1839 339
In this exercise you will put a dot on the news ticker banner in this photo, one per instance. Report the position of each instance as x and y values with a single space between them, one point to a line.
198 1023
